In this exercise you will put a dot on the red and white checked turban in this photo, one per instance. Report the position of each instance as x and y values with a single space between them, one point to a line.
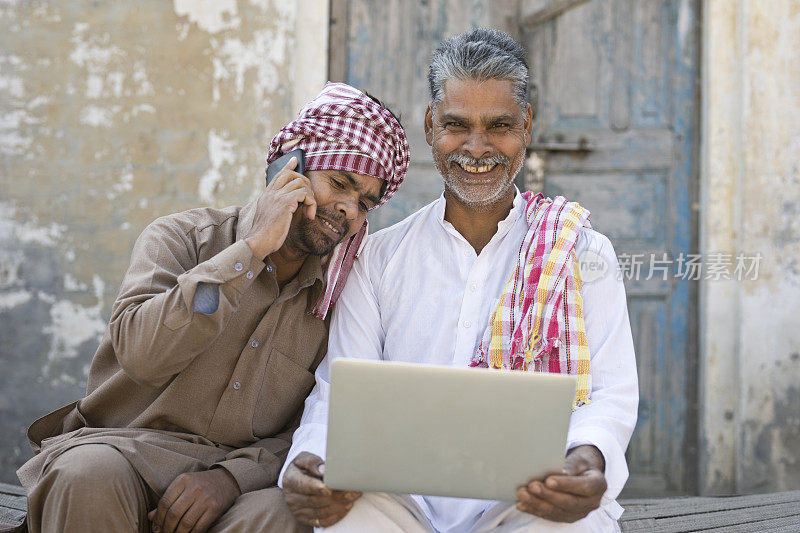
344 129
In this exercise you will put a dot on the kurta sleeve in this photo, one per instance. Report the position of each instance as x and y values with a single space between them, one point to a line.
355 331
608 421
154 328
257 466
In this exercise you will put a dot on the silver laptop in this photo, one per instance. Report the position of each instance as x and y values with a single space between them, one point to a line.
444 431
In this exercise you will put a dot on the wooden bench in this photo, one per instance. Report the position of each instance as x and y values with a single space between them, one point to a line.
760 513
12 506
778 512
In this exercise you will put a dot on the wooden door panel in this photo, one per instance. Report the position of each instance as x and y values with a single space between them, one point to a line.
638 226
613 126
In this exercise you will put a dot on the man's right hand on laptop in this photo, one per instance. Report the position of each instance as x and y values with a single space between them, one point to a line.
311 502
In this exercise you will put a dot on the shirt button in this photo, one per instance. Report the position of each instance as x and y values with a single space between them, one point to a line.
238 267
467 323
237 385
269 268
473 287
254 343
249 274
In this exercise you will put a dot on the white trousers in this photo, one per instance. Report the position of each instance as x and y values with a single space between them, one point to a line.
390 513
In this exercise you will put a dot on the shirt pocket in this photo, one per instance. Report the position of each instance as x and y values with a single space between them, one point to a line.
283 391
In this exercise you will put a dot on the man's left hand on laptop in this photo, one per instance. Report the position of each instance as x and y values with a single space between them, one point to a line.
568 497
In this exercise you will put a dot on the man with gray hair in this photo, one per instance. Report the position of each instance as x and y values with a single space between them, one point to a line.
495 284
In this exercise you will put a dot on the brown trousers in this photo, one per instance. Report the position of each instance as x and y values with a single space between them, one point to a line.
93 487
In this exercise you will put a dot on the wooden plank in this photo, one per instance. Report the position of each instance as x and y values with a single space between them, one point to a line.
715 519
6 488
13 506
659 508
9 501
777 525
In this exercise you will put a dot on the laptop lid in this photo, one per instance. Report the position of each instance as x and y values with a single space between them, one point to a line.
444 431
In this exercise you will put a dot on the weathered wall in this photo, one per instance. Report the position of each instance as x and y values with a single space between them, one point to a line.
112 114
750 380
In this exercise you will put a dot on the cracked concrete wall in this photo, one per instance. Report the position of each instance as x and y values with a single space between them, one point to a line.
112 114
750 362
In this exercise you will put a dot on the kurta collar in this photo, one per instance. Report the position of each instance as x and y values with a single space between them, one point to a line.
517 210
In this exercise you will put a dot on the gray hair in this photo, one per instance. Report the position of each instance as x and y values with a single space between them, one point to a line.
481 54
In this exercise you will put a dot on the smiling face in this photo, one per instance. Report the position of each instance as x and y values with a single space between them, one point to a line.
343 199
478 133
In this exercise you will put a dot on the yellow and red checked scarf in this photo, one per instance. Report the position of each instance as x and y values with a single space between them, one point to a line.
537 324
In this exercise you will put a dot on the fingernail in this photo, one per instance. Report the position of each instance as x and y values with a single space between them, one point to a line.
552 483
322 469
536 489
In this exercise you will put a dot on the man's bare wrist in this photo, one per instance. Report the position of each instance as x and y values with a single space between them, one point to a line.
590 455
259 250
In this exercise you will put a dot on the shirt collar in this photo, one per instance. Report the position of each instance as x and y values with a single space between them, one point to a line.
311 271
517 210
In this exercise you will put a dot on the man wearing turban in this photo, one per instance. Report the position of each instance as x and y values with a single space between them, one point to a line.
221 320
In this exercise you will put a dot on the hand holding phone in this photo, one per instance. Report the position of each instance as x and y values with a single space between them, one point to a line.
286 191
277 165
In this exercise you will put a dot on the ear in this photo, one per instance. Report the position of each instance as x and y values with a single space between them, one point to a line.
528 123
429 125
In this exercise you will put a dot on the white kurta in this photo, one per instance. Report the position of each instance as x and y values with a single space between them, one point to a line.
419 293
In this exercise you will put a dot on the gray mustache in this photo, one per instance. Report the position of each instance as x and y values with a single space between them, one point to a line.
462 159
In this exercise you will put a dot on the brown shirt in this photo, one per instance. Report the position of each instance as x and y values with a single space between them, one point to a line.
237 377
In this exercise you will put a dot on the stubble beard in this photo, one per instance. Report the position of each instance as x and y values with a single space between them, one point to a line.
308 239
472 195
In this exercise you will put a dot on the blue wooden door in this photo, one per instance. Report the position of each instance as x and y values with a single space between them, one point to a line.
615 129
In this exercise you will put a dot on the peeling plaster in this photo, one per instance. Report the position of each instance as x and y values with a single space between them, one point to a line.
145 88
28 232
90 55
209 15
234 59
73 324
143 108
12 139
221 151
125 182
73 285
10 300
10 266
97 116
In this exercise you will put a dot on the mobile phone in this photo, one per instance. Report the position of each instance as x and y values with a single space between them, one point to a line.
276 166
